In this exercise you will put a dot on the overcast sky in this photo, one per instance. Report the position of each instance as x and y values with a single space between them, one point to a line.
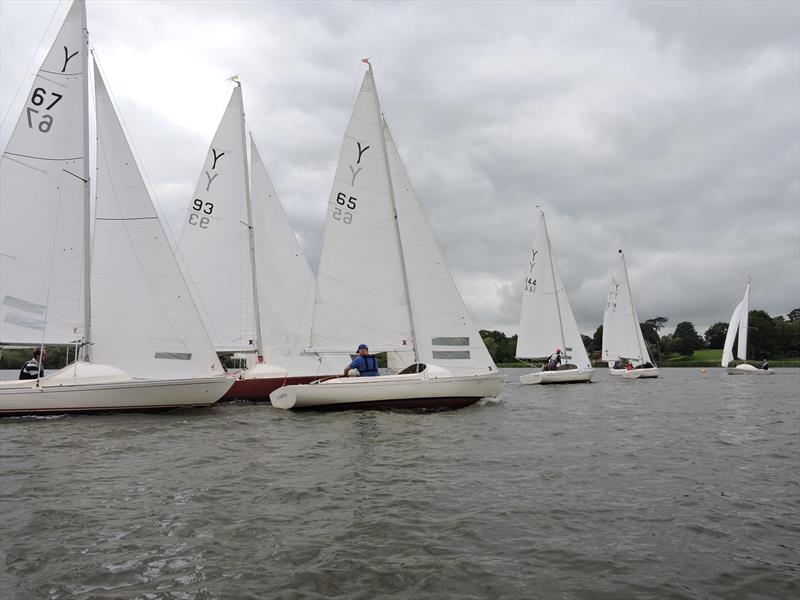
669 129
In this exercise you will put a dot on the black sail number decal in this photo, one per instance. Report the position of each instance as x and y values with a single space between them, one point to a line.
200 209
39 116
345 208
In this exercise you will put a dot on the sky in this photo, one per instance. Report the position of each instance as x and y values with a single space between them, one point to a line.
668 129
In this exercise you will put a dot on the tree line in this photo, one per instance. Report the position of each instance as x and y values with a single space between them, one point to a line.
767 337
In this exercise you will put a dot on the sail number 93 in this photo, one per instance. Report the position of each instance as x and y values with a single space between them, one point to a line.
200 209
345 209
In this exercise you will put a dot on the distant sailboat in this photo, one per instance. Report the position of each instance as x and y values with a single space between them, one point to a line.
738 325
547 321
622 334
248 272
143 344
383 280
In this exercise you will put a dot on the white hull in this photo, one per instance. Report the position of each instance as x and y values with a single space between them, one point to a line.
563 376
749 370
649 373
101 388
433 388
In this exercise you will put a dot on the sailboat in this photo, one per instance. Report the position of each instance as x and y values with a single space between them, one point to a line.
247 270
120 297
547 320
622 334
383 280
738 325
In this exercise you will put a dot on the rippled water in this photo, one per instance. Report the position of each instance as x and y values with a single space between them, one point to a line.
682 487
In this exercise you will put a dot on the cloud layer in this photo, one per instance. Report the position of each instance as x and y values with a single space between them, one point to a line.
671 130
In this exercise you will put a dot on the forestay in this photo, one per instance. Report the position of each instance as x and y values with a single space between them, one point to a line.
214 245
444 330
547 321
144 320
286 283
622 334
361 293
739 323
43 199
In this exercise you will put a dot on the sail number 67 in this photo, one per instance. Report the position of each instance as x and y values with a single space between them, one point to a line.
38 98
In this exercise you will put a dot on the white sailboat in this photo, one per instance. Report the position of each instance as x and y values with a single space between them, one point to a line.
143 344
547 321
247 270
738 325
383 280
622 335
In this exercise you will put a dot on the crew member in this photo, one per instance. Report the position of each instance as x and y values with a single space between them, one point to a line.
764 365
33 369
365 363
554 361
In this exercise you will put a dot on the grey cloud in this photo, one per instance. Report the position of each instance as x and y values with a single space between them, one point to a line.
669 129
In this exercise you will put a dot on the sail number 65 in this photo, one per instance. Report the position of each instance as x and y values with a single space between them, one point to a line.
344 202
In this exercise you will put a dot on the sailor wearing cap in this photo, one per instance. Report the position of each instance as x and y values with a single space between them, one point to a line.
365 364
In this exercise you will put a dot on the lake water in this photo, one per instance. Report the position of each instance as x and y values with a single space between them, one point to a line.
681 487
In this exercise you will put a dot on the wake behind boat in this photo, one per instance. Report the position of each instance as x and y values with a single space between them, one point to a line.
399 294
547 320
142 342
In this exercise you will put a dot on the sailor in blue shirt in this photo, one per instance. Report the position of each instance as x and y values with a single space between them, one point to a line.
365 363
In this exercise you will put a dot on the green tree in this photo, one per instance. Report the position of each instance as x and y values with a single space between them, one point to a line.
686 339
761 335
597 340
657 323
715 335
588 343
794 315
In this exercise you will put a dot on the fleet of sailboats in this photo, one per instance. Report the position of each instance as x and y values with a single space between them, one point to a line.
147 320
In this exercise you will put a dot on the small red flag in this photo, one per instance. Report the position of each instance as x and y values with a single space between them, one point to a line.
365 61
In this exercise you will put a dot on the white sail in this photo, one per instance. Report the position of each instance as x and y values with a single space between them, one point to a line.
214 246
286 283
143 317
547 321
622 334
361 292
738 324
43 199
444 330
609 327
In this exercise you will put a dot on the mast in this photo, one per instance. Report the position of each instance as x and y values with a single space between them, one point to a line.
633 309
396 221
553 275
746 319
251 233
87 203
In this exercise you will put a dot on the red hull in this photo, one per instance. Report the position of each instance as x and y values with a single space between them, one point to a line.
260 389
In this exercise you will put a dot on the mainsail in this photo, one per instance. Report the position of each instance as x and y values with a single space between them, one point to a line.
547 321
382 277
738 324
622 334
143 317
44 200
214 245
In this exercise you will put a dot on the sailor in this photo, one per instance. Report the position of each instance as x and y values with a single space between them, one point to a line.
33 369
764 365
554 361
365 363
